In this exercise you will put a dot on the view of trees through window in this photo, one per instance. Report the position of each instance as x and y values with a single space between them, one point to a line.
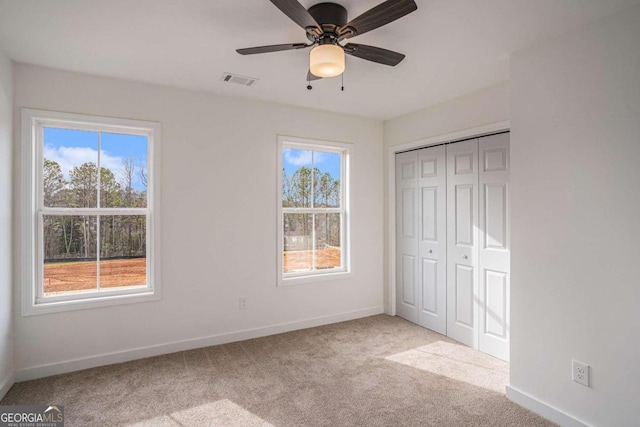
87 247
312 210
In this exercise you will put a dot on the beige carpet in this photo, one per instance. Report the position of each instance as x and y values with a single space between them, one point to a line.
377 371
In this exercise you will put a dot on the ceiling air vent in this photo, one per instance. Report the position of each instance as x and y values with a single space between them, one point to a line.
241 80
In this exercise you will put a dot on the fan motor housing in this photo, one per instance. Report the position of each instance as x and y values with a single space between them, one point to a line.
330 16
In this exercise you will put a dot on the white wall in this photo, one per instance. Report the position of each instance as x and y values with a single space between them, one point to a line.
6 149
486 106
575 152
219 221
489 105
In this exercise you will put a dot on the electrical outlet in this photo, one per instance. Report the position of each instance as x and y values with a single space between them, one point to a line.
243 303
581 373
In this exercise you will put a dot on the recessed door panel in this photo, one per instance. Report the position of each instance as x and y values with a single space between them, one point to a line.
495 159
430 213
464 296
464 214
408 169
408 280
464 162
495 215
495 304
408 216
429 167
430 286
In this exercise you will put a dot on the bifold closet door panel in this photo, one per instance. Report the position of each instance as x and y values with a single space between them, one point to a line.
462 241
432 232
495 246
407 259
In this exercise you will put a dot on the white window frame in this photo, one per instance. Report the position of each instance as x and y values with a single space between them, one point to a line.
346 150
33 299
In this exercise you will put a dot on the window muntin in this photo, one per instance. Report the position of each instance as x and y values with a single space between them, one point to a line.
92 233
313 210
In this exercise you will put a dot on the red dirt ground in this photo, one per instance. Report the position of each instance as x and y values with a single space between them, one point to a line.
75 276
81 275
301 260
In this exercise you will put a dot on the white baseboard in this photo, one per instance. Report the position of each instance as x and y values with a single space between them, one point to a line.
6 383
42 371
543 409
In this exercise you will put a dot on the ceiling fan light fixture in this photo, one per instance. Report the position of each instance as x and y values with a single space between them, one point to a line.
326 60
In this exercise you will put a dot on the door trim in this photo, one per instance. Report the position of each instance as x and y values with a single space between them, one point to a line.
479 131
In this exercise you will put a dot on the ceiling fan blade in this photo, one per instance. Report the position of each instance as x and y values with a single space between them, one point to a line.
311 77
298 14
375 54
380 15
271 48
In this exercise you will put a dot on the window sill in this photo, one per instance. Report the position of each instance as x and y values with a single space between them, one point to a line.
47 307
313 278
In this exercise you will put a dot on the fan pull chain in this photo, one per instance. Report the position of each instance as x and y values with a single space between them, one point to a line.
342 76
309 87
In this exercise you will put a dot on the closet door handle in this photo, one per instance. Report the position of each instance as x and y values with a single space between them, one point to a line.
465 257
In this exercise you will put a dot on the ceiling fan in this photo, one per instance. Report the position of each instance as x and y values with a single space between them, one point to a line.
326 27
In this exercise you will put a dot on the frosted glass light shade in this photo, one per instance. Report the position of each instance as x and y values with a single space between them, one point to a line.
326 60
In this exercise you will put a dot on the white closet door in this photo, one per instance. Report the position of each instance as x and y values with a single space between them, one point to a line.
462 241
432 232
407 297
494 277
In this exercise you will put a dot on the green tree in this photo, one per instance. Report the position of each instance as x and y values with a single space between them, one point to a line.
301 184
128 173
287 192
53 183
83 184
75 236
53 193
109 190
110 197
322 189
323 198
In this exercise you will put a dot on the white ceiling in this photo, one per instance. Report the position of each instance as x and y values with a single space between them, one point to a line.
453 47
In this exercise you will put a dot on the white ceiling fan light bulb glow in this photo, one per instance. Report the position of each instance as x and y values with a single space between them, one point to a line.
326 60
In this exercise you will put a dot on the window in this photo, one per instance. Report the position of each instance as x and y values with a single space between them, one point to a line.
92 217
312 210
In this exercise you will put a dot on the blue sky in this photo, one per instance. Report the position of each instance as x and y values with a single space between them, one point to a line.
74 147
292 160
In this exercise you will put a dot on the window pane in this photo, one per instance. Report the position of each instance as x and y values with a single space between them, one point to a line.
327 167
328 247
296 178
123 249
123 170
69 254
297 254
70 168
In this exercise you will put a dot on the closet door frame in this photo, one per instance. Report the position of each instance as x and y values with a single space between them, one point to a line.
503 126
459 269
